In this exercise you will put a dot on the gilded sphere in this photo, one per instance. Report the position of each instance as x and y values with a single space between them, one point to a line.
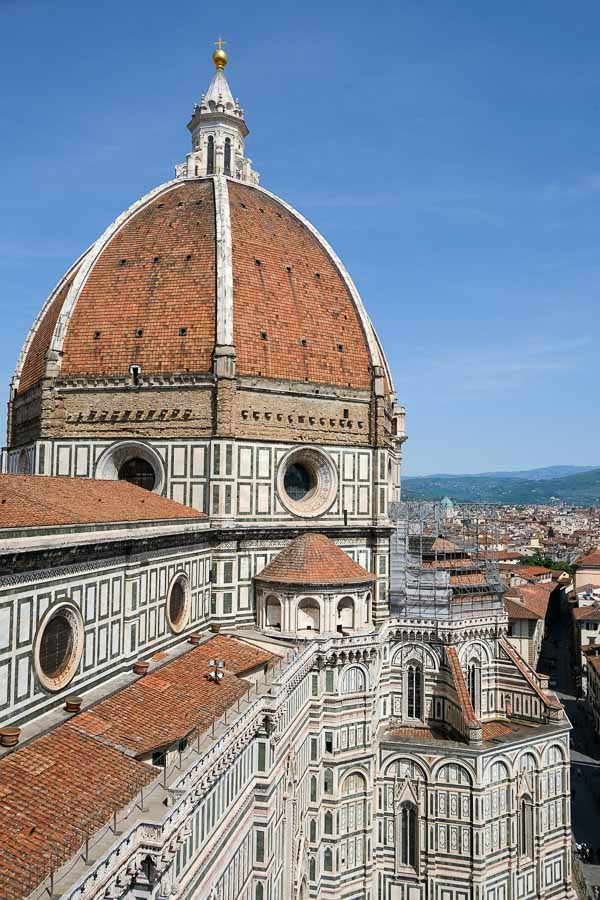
220 58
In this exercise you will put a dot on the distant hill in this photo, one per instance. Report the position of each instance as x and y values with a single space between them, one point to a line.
530 474
580 489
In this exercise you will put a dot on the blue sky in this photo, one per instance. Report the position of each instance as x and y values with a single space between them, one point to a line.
449 152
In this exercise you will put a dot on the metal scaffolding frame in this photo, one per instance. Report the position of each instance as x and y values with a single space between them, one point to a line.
429 549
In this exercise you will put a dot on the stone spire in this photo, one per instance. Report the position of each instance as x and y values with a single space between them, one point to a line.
218 131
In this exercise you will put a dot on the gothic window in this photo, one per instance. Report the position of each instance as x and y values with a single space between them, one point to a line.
227 161
312 831
408 835
414 694
259 891
328 781
313 789
353 681
474 684
312 869
210 156
526 827
328 860
328 823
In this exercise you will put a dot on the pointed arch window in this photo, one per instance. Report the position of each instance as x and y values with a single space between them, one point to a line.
328 860
526 827
313 789
474 684
414 692
328 781
312 869
210 155
312 831
328 823
227 157
408 835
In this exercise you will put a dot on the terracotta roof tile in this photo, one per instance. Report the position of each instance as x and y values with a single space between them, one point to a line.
516 610
592 613
68 782
157 274
34 365
28 501
313 559
528 674
460 687
177 699
294 294
589 559
53 792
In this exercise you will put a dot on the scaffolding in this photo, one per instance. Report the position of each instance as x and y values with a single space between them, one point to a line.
442 565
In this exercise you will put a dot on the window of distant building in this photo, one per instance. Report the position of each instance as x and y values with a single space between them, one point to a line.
227 157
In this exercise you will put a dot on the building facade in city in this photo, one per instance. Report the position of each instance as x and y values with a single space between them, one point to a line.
204 437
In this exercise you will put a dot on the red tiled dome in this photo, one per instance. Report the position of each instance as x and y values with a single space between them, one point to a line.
147 293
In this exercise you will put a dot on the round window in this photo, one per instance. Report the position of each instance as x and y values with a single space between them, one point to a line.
298 481
138 471
307 482
58 647
178 607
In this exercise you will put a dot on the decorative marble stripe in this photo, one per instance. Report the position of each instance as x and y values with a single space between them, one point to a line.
224 263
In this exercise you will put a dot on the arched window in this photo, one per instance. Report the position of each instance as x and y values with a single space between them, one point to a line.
273 612
259 891
414 694
313 789
312 831
328 860
526 827
309 615
227 160
210 156
328 823
312 869
408 835
354 784
328 781
474 684
353 681
345 611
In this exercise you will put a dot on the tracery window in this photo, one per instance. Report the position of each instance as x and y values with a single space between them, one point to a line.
408 835
474 684
210 156
414 695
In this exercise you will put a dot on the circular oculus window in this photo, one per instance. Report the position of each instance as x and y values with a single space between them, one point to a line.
307 482
138 471
178 603
59 646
